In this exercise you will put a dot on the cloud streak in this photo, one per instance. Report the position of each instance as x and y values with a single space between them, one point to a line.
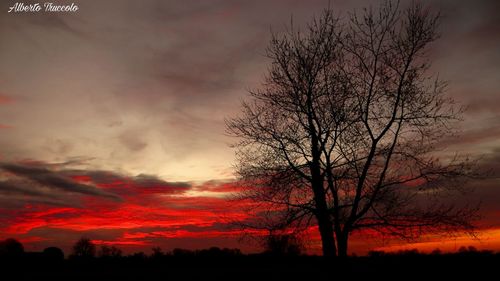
44 177
51 199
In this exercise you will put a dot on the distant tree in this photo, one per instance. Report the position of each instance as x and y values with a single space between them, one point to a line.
53 253
231 252
178 252
411 252
343 132
375 254
210 252
138 257
11 248
157 253
283 245
436 252
109 252
84 248
468 249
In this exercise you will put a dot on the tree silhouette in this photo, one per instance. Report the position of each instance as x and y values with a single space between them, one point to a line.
343 133
157 253
84 248
283 245
109 252
53 254
11 247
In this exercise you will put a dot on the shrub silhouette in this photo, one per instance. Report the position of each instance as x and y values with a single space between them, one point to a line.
84 248
11 248
53 254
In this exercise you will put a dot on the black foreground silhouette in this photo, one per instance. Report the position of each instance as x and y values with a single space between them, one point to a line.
108 263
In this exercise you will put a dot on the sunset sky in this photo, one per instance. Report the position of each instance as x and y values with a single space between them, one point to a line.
112 118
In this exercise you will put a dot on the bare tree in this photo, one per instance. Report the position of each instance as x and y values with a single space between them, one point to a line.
344 131
84 248
283 245
110 252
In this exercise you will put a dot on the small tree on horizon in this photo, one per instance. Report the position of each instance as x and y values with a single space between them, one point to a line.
344 130
283 245
110 252
10 248
84 248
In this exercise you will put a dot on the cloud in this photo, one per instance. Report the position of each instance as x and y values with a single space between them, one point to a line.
128 185
54 180
38 182
482 133
220 186
170 211
21 188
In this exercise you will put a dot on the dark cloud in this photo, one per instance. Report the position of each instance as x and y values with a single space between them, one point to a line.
15 195
54 180
13 187
128 185
143 180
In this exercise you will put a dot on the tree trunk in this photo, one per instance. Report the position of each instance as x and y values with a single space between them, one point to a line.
322 213
317 181
326 232
342 243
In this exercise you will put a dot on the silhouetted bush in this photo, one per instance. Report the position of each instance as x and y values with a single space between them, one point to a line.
11 248
53 254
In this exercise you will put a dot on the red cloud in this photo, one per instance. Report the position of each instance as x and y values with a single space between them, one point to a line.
152 210
148 203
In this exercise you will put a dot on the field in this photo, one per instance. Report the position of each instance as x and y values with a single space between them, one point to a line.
402 266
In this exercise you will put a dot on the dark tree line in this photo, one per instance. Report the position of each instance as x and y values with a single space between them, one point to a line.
229 264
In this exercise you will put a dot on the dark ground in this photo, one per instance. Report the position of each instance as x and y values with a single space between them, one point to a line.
466 266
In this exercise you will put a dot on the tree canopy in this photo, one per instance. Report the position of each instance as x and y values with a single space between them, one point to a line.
344 131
